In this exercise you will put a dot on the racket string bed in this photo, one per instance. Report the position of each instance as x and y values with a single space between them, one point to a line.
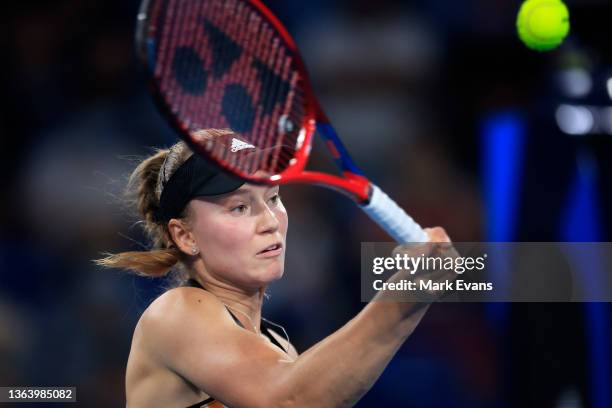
231 64
269 70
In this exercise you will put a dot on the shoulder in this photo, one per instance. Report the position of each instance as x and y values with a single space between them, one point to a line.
157 346
190 333
177 301
177 312
175 307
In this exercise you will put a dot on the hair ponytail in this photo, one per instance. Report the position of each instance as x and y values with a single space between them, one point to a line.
143 193
154 264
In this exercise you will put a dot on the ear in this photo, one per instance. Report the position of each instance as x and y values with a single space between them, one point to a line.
182 236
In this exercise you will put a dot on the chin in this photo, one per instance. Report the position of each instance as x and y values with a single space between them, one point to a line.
275 274
271 273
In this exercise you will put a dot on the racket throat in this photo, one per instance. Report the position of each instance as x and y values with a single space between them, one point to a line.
339 153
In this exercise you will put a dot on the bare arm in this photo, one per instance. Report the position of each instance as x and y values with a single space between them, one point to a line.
196 338
337 371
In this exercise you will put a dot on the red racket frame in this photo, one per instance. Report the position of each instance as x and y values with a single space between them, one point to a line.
353 183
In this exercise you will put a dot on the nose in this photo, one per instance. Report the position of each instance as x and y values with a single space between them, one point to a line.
268 221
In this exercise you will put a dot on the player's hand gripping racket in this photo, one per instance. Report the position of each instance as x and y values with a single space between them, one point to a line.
231 64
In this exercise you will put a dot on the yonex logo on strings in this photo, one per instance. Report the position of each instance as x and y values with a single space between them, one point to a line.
238 145
190 73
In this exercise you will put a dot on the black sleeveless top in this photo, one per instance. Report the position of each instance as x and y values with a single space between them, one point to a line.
264 327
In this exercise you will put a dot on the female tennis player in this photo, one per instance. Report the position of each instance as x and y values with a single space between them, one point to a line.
205 343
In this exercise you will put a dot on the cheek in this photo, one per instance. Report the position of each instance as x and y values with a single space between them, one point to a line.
283 219
224 237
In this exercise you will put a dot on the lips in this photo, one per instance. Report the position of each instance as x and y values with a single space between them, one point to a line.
272 247
271 250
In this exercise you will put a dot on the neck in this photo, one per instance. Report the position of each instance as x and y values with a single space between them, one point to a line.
245 304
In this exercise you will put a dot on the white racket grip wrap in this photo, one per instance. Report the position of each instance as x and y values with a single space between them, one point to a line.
393 219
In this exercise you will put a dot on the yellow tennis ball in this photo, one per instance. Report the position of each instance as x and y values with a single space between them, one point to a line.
543 24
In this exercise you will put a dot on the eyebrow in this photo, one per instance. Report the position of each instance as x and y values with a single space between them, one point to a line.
245 192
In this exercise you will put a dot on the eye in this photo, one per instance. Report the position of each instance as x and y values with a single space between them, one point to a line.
275 199
239 209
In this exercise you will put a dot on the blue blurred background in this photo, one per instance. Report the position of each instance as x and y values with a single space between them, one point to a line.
439 103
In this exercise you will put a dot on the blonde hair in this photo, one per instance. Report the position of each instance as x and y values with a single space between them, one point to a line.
143 193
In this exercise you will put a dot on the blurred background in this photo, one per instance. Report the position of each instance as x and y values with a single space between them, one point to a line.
437 100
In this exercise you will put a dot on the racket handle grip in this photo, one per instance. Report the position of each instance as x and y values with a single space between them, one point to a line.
392 218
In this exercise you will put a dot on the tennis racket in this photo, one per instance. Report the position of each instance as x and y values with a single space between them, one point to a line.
231 64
